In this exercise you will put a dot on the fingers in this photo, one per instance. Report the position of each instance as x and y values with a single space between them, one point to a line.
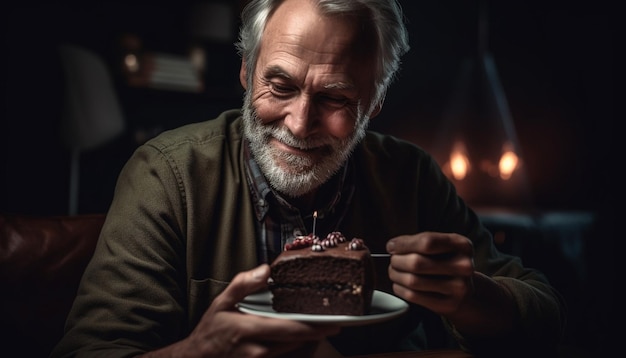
439 293
450 264
279 336
432 253
441 285
435 301
225 331
243 284
432 269
251 281
282 330
430 243
232 333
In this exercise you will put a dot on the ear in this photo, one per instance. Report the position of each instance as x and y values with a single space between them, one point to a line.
243 75
377 108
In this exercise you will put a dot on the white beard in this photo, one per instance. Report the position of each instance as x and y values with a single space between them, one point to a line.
301 175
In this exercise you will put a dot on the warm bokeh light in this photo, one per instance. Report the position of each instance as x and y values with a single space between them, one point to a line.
131 62
198 58
459 163
508 164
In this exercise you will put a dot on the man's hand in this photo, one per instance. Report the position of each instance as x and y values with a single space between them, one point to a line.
434 270
225 332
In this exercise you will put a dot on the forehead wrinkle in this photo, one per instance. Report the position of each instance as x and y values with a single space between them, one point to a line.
276 70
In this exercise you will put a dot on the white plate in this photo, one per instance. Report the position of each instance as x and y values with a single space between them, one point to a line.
384 307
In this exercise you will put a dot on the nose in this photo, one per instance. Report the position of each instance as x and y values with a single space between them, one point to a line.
301 117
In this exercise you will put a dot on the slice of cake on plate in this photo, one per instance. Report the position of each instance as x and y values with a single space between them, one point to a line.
330 276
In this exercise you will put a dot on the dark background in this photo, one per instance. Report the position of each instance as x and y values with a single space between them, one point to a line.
554 60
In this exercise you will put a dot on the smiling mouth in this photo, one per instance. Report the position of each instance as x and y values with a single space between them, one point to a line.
282 146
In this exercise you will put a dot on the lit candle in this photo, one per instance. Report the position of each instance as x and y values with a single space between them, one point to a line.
314 221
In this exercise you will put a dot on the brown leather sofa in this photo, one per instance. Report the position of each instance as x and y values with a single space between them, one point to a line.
41 262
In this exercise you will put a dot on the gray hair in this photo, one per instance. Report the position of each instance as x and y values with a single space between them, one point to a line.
385 15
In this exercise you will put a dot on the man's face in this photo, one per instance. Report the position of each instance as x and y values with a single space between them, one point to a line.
312 85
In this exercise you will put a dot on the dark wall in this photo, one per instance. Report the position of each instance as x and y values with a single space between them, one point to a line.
35 161
553 58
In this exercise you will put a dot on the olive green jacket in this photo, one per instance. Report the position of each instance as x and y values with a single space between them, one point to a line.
182 224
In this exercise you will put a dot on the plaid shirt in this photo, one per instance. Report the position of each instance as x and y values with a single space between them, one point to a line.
279 222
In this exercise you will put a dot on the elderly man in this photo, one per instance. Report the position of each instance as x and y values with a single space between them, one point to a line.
201 210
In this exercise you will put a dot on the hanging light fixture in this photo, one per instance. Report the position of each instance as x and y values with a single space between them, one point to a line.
478 146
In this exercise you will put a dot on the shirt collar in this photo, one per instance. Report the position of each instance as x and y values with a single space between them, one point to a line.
259 188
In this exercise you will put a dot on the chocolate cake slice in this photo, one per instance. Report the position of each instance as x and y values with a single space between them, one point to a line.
330 277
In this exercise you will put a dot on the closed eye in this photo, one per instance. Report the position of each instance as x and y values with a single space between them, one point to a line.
281 90
335 101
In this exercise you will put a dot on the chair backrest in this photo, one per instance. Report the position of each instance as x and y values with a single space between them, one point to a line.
92 112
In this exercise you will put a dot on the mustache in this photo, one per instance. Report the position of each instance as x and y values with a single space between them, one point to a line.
284 135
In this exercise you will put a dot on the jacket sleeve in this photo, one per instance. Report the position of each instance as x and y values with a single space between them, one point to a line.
131 295
541 309
413 195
